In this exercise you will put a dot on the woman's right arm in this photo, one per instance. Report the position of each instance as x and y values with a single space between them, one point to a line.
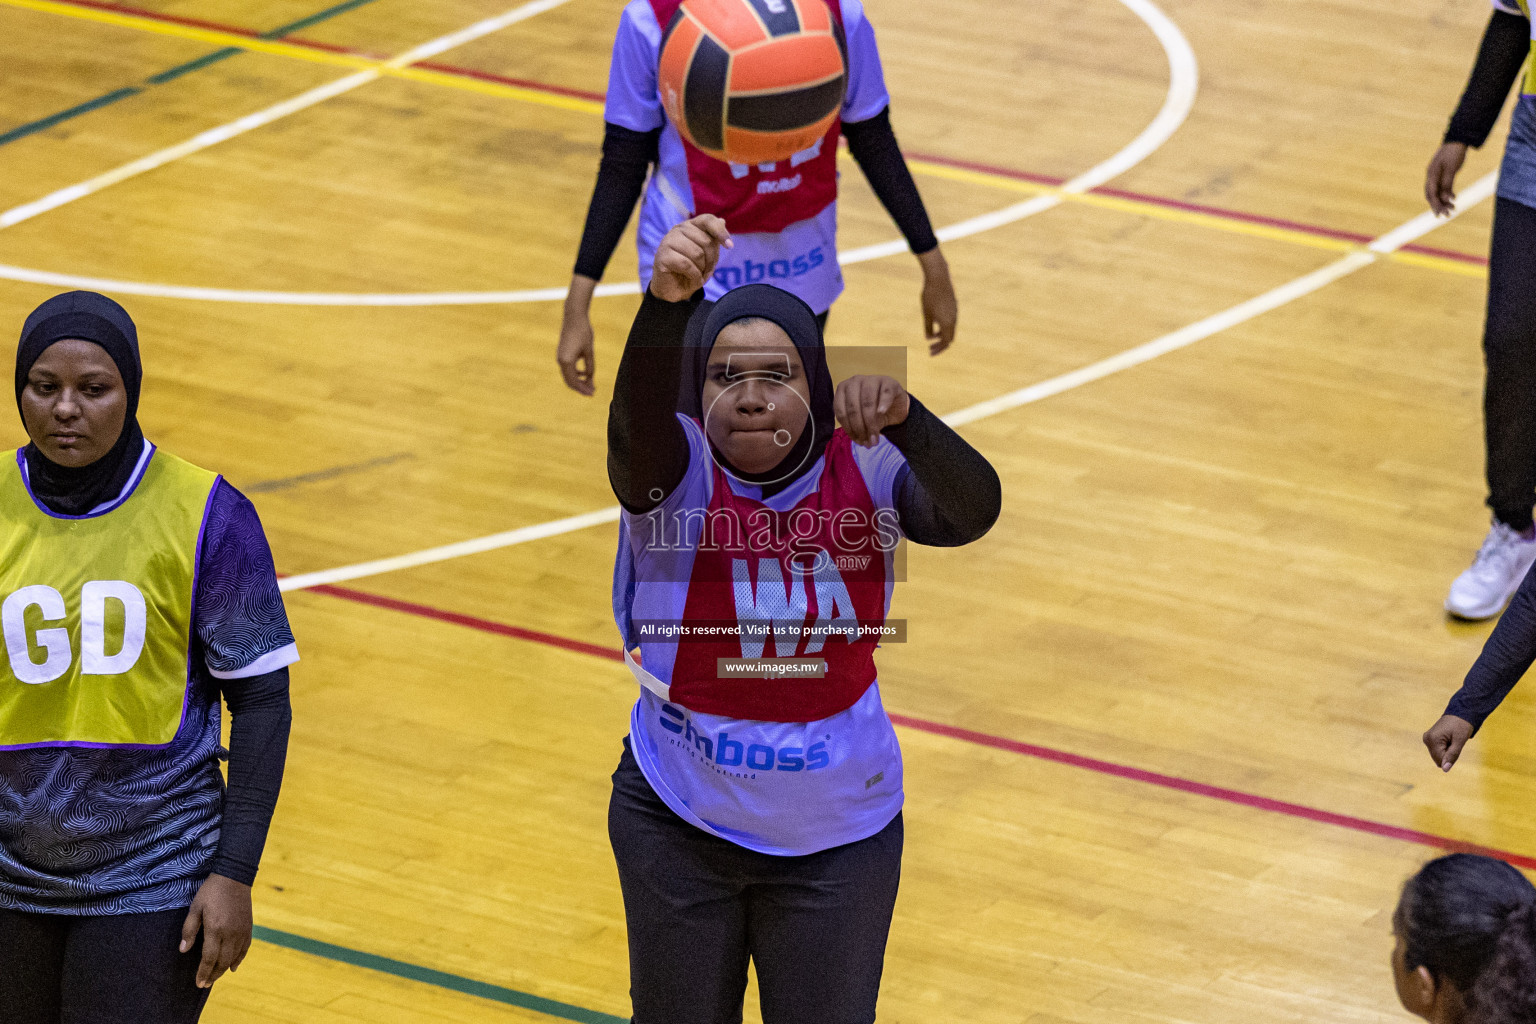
1509 652
1505 45
633 120
627 156
647 449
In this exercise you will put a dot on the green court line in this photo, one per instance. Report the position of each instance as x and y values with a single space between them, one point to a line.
440 979
64 115
190 66
170 74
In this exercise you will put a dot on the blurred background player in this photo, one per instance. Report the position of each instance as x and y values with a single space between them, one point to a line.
1509 335
1507 654
783 216
137 589
1465 953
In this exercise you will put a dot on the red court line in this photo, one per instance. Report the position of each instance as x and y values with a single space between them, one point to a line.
1142 197
1180 204
1232 796
1002 172
522 83
469 621
1449 254
1093 764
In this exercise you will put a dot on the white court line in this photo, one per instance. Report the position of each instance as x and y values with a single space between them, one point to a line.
225 132
1182 338
447 551
1183 80
1390 242
1183 83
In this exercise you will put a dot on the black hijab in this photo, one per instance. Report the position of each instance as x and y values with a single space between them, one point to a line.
763 301
68 490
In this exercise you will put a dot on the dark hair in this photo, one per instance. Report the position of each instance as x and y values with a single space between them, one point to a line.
1472 921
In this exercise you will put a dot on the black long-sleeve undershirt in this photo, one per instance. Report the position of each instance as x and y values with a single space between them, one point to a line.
628 155
1509 652
874 148
260 717
1506 42
647 451
950 496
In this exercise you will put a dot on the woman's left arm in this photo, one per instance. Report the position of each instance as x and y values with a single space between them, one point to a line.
1506 656
238 616
950 494
874 148
260 717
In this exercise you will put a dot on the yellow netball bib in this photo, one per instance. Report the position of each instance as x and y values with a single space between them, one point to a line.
97 612
1530 72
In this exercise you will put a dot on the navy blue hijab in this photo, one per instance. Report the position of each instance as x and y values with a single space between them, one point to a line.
75 490
789 312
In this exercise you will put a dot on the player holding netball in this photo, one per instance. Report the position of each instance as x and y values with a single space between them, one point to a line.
759 815
1509 335
136 590
783 216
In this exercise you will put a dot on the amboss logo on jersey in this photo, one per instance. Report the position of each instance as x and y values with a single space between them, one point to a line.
724 752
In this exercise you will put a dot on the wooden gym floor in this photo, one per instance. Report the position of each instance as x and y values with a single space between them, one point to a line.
1161 725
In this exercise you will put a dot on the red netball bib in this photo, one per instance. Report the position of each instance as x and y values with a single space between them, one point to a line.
762 198
808 583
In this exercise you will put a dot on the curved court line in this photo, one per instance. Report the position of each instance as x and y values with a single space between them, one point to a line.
1383 246
1183 84
1258 305
565 98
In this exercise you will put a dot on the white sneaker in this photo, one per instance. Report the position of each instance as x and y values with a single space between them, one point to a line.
1501 563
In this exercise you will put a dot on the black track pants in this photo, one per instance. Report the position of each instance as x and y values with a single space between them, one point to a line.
1509 348
118 969
698 907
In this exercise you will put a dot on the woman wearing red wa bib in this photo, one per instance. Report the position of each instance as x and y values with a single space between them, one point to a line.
756 811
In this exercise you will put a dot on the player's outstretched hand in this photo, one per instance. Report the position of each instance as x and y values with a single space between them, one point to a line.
222 912
1440 178
867 404
1446 738
941 311
578 368
687 256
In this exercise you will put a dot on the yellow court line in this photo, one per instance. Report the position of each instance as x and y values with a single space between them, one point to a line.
1423 259
196 34
293 51
926 168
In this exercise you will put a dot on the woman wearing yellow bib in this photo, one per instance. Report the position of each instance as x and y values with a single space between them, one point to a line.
136 590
